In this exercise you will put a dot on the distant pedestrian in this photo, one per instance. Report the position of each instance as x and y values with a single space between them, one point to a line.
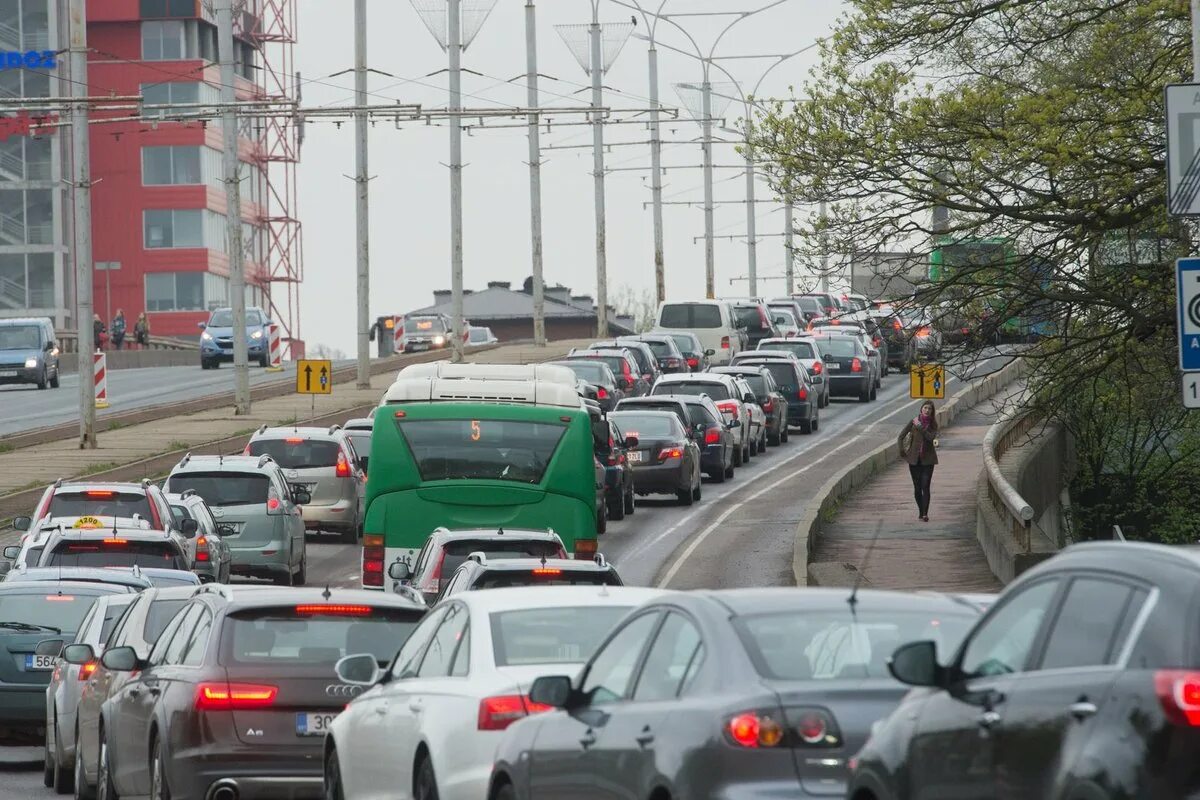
99 334
918 446
118 330
141 330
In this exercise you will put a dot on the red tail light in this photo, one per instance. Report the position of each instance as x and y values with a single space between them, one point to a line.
724 342
334 609
856 365
763 318
372 560
754 729
601 393
550 572
86 670
272 503
712 436
585 549
729 407
802 394
876 341
234 696
202 548
769 406
294 440
343 466
99 494
1179 694
922 332
246 450
670 452
114 541
497 713
818 367
693 362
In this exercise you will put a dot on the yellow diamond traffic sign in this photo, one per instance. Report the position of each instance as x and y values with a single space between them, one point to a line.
927 382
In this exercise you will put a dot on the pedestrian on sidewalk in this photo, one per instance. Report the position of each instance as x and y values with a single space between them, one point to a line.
918 446
118 330
141 331
99 333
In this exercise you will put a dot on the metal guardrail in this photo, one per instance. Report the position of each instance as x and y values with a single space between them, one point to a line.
1006 500
68 342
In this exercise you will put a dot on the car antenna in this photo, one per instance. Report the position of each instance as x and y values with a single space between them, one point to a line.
326 594
852 600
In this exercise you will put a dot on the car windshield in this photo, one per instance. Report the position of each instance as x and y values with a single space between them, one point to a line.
758 384
590 371
646 426
690 315
297 452
832 645
114 551
49 610
224 318
838 347
715 390
551 635
420 325
19 337
544 576
456 552
305 636
810 304
481 449
224 488
638 354
99 503
799 349
158 615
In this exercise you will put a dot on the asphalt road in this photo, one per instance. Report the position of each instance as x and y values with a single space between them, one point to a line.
24 408
740 534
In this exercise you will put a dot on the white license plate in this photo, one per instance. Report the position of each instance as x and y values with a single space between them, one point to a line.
420 346
314 723
634 456
39 663
9 373
833 367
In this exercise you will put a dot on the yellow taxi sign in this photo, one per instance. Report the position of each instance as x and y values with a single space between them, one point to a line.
89 523
314 376
927 382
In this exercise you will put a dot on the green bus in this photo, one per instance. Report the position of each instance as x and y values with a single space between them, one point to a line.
472 446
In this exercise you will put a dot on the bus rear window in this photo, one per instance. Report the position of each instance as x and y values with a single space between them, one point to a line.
99 503
481 449
298 452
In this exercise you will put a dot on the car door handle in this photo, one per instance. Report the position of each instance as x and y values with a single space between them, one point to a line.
588 739
381 709
416 707
1082 709
989 719
645 738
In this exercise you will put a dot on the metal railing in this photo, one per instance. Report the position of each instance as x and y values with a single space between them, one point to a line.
68 342
1008 503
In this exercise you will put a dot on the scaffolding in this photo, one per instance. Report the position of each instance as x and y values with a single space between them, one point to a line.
270 26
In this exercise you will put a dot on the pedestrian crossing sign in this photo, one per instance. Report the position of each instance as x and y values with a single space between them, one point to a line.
927 382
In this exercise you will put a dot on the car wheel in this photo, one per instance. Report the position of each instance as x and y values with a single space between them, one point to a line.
806 426
49 764
630 503
425 786
602 518
729 470
864 396
302 574
762 443
286 578
685 496
784 433
698 489
616 508
874 393
747 453
54 380
264 362
505 792
158 775
44 381
333 777
104 780
816 423
82 790
737 457
63 779
350 535
775 439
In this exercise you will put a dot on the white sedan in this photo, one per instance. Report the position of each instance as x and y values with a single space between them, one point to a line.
428 726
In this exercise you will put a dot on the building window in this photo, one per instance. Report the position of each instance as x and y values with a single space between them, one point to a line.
163 94
175 165
176 291
174 228
25 158
26 281
165 41
167 8
26 217
208 41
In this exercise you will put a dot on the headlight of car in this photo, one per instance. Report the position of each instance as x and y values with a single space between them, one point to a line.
439 340
206 337
256 335
30 363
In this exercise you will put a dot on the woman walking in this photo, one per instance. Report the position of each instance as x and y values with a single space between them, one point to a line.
118 330
917 447
141 331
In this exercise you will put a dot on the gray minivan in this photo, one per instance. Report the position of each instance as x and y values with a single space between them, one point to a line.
28 352
258 514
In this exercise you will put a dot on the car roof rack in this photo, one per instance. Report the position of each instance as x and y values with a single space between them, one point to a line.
187 493
479 557
600 560
334 428
214 588
263 429
264 459
186 458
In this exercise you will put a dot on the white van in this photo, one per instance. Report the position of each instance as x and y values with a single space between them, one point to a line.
713 321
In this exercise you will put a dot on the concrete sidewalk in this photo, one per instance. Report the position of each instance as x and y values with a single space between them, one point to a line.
942 554
39 465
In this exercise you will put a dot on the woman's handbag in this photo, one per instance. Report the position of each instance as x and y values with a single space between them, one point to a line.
906 444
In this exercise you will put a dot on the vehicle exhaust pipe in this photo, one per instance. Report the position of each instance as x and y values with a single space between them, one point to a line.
223 790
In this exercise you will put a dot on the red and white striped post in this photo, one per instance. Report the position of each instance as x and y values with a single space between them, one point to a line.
100 378
398 334
275 342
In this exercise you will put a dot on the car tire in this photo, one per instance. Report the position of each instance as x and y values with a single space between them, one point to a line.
425 783
158 774
874 393
816 423
784 433
49 763
54 380
865 395
105 790
602 518
630 502
616 508
775 439
698 489
806 426
264 361
350 535
685 496
82 790
44 381
63 779
333 777
762 443
302 573
286 578
729 470
505 792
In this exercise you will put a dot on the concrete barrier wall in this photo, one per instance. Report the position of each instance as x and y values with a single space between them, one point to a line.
808 529
135 359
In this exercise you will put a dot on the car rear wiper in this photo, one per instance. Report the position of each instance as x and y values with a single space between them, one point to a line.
23 626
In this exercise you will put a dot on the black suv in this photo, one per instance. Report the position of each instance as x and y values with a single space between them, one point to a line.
237 694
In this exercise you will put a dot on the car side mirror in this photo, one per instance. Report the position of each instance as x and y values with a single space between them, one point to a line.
201 325
916 664
710 352
301 497
551 690
749 398
631 442
12 551
48 346
733 424
399 571
78 654
121 659
358 670
49 647
188 527
22 523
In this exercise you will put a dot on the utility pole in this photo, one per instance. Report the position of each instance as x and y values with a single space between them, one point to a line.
1196 40
535 176
598 173
362 199
789 253
710 254
751 221
824 254
81 193
455 48
656 186
233 208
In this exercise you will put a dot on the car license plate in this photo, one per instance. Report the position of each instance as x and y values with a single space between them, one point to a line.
9 373
39 663
420 346
634 456
314 723
833 367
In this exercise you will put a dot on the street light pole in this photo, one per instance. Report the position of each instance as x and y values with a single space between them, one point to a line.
789 254
535 176
81 195
824 255
454 48
710 251
362 199
597 61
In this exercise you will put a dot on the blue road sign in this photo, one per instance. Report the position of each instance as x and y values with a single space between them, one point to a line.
1187 282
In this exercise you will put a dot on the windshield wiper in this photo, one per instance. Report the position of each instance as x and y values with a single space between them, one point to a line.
23 626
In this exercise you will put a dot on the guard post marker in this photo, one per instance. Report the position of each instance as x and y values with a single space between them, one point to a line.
398 334
275 341
100 377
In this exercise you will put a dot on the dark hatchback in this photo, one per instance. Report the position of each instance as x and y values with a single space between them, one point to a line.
642 354
756 319
666 350
1081 682
667 458
723 694
623 365
599 376
847 367
693 351
767 394
803 399
713 435
613 448
239 691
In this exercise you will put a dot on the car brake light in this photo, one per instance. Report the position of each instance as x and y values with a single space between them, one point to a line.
372 560
818 367
753 729
965 331
856 365
99 494
334 610
60 598
802 394
497 713
233 696
202 548
272 503
670 452
923 332
693 362
729 407
712 436
769 406
585 549
343 466
601 393
724 342
114 541
1179 694
294 440
550 571
811 727
86 670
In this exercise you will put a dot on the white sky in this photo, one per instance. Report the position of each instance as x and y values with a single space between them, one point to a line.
410 255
